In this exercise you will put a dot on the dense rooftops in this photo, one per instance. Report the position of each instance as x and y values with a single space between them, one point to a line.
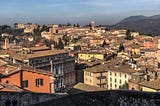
9 68
152 84
26 55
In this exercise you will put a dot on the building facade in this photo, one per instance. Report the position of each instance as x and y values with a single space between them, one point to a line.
57 62
90 55
96 76
28 79
118 76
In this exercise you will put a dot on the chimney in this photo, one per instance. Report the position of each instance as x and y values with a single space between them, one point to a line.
6 70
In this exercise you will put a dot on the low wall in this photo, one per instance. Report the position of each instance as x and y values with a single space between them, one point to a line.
24 98
107 98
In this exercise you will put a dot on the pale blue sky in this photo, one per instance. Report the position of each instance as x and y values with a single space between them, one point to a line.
74 11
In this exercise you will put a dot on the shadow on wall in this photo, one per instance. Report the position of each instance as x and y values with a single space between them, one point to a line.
107 98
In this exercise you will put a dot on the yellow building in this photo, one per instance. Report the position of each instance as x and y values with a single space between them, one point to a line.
123 55
150 86
96 76
90 55
136 50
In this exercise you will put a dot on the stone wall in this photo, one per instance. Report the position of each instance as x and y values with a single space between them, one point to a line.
25 99
107 98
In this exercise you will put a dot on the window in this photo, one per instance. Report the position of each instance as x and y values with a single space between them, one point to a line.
115 74
115 80
90 81
125 76
120 74
39 82
25 83
120 81
110 84
111 79
110 73
115 86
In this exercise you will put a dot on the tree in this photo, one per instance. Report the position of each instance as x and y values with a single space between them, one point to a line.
15 25
60 44
124 86
65 38
78 25
121 48
37 31
47 42
68 24
128 35
104 43
44 28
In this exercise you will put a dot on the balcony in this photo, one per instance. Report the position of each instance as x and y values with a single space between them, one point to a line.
59 75
102 83
101 77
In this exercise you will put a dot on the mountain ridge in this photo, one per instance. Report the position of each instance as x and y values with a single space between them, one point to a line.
143 24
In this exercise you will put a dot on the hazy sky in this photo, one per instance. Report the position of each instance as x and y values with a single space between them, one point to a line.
74 11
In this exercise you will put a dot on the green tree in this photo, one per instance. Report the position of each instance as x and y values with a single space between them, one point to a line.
47 42
44 28
121 47
124 86
128 35
60 44
15 25
69 24
104 43
65 38
78 25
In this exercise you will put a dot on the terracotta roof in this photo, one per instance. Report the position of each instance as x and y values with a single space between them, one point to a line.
21 56
10 87
87 88
121 68
39 48
152 84
92 52
9 69
96 69
117 64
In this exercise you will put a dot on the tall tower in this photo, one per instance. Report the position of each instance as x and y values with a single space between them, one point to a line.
6 43
92 25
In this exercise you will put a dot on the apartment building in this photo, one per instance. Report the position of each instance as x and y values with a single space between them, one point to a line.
136 78
96 76
84 55
27 78
150 86
56 61
118 75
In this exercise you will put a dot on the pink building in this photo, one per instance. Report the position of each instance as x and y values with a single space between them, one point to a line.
149 44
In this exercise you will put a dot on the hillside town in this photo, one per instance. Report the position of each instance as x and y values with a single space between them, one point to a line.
57 58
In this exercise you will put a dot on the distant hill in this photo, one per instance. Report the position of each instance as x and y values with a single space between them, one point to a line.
142 24
133 18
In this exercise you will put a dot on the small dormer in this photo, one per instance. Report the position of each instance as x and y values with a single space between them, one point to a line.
6 70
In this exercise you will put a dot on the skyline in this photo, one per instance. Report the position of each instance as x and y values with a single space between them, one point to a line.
74 11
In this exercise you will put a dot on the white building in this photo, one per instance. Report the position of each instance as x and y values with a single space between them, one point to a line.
118 75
